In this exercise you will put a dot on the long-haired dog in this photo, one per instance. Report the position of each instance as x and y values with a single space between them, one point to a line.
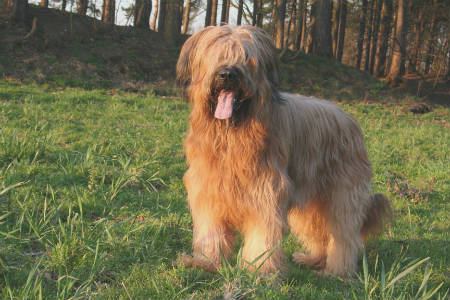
260 159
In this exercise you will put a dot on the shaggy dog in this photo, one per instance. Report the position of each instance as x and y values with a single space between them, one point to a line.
260 159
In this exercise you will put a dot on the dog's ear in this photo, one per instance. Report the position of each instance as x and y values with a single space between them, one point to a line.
187 54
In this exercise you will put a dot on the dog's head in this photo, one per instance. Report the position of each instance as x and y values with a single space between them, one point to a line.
229 69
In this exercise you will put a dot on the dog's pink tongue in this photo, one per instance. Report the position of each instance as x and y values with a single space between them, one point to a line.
224 107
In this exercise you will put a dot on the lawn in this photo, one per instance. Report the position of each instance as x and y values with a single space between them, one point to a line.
92 204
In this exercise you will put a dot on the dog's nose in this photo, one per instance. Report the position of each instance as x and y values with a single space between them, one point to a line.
227 75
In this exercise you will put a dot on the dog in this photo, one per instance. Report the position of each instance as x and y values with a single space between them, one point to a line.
260 160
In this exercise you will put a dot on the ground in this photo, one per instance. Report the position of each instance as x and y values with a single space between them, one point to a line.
92 204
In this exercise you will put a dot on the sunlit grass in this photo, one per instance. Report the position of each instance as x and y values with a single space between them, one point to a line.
92 204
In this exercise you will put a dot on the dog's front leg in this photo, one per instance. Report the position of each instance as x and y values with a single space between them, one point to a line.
262 250
212 238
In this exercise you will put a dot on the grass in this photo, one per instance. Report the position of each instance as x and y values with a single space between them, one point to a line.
92 204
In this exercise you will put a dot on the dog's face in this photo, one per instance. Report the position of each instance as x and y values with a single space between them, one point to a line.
228 69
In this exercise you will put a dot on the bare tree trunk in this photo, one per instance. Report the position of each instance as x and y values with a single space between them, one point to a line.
279 23
341 29
19 13
108 12
142 12
162 15
448 47
82 6
187 10
362 29
321 29
240 9
375 30
291 24
334 35
213 12
208 13
304 18
415 61
44 3
431 40
298 25
399 44
224 12
172 26
369 36
385 29
155 15
63 5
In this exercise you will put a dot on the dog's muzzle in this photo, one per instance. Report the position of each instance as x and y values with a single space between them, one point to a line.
227 83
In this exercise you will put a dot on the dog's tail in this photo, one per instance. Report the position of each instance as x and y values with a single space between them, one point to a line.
378 214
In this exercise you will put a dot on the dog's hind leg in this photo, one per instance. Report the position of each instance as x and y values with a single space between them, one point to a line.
308 225
345 218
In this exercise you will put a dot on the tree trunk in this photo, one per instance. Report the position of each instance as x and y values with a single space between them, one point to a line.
224 12
419 31
291 24
142 12
339 50
19 14
108 11
82 6
375 31
279 22
369 36
44 3
155 15
162 15
298 25
208 13
240 9
172 26
334 35
385 29
186 12
399 43
431 40
321 43
213 12
362 29
63 5
448 47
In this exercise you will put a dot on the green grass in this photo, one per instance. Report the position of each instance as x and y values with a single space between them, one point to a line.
92 204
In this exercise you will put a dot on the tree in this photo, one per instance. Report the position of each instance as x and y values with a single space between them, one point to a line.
172 25
280 12
240 10
44 3
339 30
362 29
432 39
398 50
187 10
19 15
385 29
82 6
321 43
108 11
162 15
155 15
142 12
369 36
375 30
213 20
224 15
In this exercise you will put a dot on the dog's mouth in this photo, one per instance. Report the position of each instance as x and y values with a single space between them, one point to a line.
225 103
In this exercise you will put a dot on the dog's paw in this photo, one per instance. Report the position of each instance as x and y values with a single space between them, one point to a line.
308 260
190 261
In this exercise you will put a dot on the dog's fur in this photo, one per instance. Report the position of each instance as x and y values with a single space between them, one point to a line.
279 159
